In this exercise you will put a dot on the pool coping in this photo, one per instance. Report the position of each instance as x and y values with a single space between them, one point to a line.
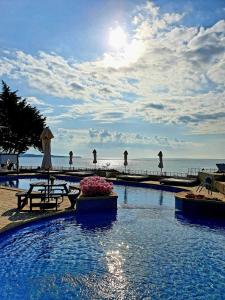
54 214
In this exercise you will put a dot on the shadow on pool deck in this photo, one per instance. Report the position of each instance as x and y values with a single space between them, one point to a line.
16 215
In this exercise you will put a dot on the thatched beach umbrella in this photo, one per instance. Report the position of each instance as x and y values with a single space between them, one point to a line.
160 165
125 163
70 158
46 137
95 157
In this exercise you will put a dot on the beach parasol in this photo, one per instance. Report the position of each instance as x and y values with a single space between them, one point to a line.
95 157
160 165
46 137
125 154
46 165
70 158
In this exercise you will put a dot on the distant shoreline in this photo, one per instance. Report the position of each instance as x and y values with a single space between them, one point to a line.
41 155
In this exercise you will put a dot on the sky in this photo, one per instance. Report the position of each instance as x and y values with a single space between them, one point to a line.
115 75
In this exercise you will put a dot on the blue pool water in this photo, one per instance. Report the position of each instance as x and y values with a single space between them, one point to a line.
144 251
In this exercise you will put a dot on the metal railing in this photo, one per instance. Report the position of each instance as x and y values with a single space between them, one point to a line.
195 171
122 170
190 171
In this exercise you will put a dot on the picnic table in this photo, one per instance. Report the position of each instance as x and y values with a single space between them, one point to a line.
47 195
49 188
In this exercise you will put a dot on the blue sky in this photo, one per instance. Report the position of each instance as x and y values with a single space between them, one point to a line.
114 75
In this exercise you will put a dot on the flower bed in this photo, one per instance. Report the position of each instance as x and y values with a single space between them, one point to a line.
95 186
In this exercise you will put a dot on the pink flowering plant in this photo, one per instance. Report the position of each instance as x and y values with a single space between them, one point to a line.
95 186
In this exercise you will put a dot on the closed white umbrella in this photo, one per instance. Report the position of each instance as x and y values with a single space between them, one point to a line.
46 137
95 157
160 165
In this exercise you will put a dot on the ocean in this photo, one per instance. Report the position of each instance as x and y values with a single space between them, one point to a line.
139 165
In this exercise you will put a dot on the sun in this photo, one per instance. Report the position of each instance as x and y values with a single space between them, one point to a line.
117 38
127 49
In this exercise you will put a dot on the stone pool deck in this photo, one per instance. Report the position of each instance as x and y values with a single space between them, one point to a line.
10 216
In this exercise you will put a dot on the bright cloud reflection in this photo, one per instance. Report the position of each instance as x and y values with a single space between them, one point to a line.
127 56
117 38
125 53
134 50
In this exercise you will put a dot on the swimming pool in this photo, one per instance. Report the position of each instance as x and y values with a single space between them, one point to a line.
144 251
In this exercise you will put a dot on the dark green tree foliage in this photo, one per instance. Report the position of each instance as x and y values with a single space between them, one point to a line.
20 123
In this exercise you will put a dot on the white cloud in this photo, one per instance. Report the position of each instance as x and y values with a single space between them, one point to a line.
35 101
217 71
94 136
172 18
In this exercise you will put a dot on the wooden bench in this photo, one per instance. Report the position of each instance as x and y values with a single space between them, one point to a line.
46 202
72 195
22 199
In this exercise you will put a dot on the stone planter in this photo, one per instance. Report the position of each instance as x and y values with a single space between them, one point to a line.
96 203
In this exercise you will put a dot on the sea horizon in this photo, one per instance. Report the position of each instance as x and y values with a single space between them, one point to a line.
117 157
183 165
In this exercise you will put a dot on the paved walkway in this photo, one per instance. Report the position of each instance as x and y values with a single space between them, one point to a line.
204 192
